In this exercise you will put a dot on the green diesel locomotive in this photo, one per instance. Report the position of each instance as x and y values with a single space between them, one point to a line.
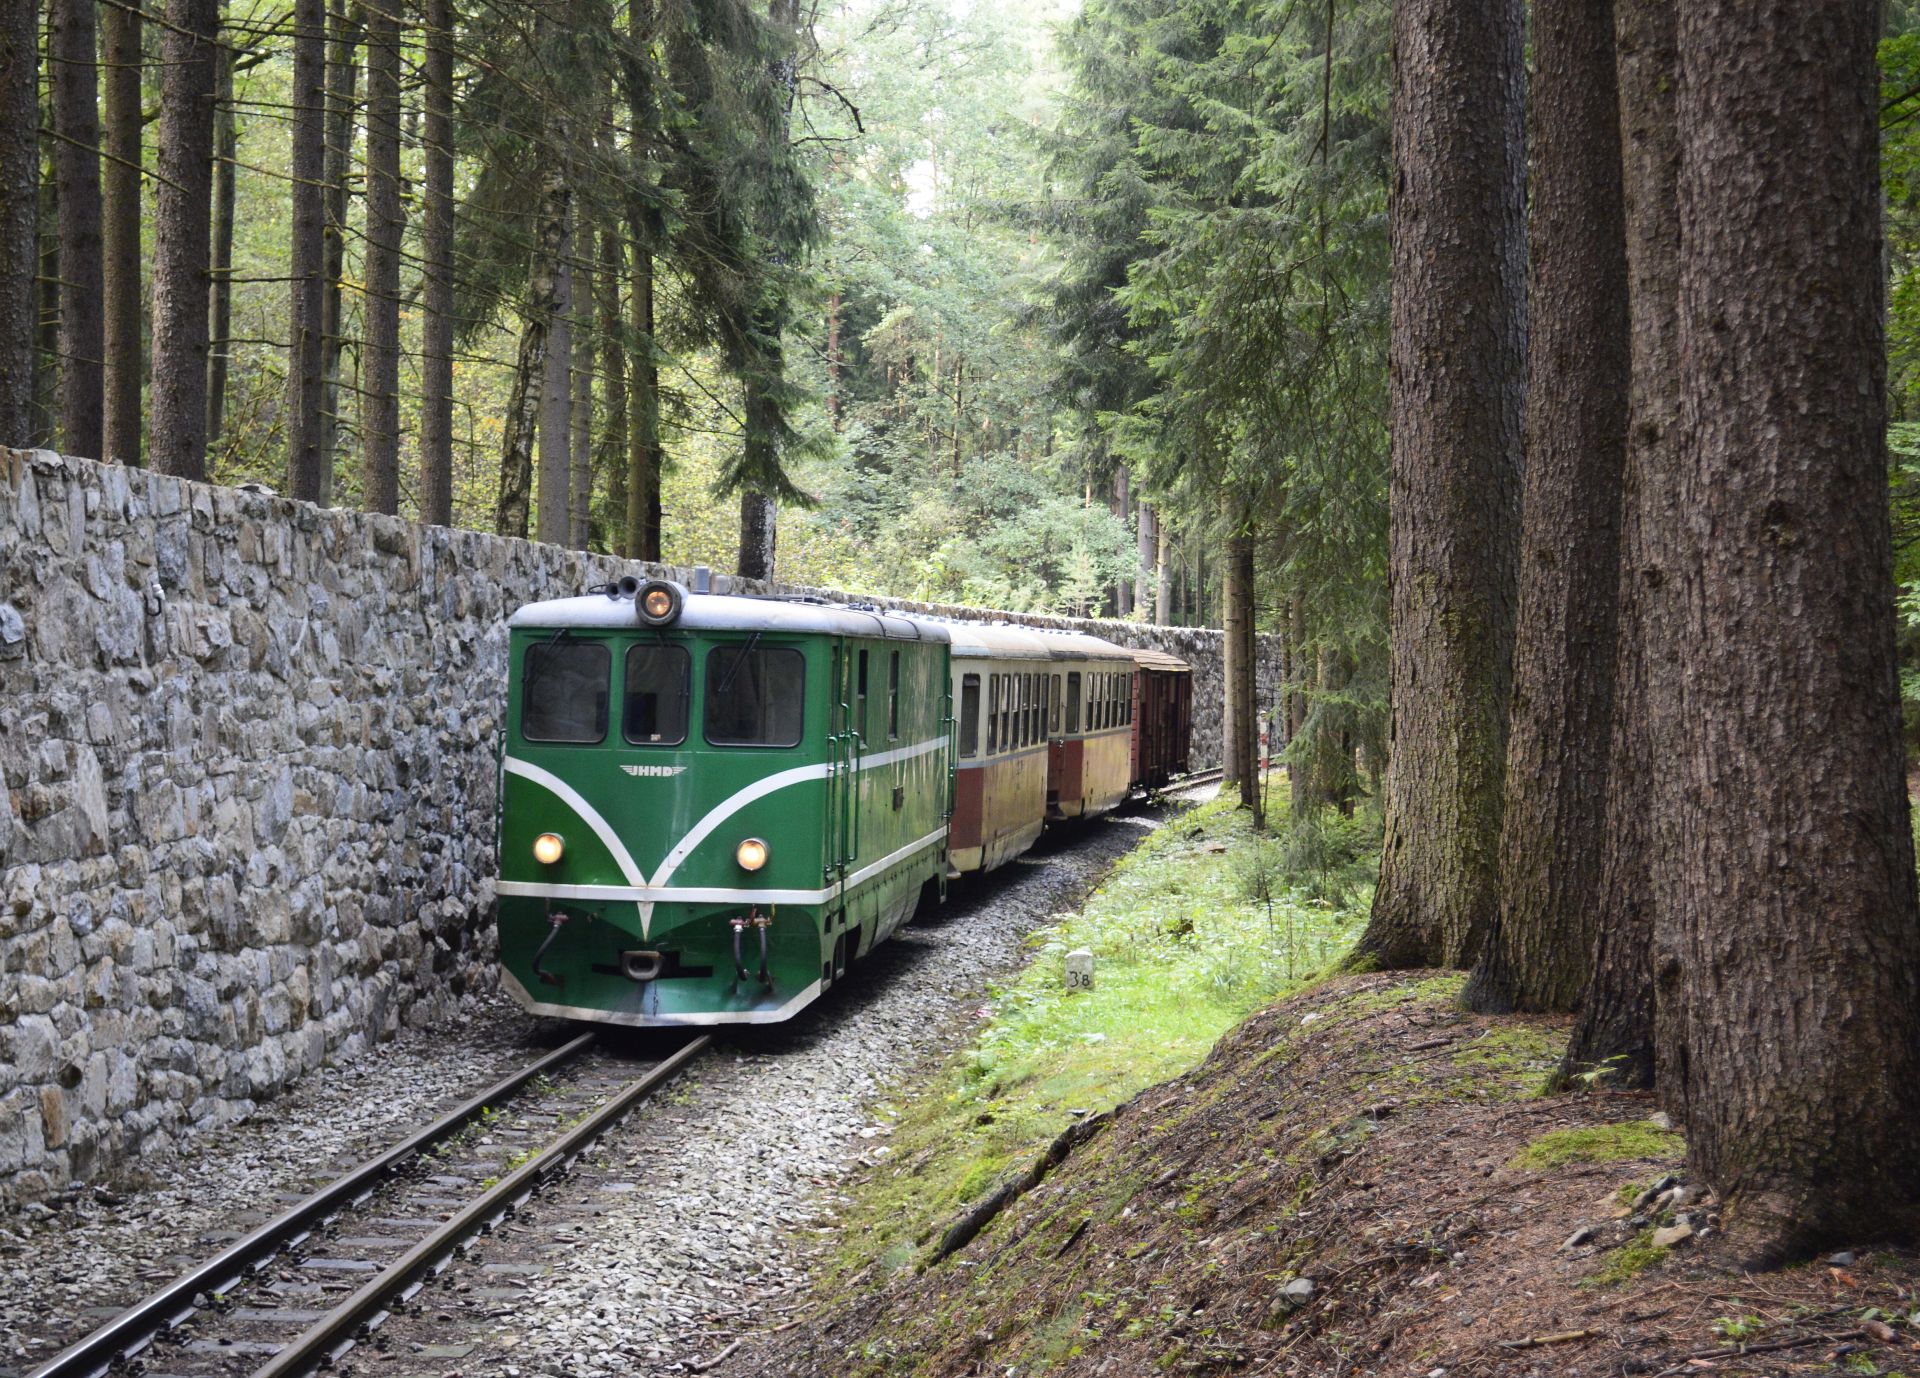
709 804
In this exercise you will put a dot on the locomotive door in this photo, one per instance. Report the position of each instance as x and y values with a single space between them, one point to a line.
842 830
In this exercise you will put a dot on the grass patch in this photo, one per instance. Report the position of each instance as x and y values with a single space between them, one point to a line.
1196 928
1609 1143
1627 1262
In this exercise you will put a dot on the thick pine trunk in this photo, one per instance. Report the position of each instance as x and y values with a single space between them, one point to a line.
1163 575
612 457
580 480
1458 307
523 405
226 142
1121 504
1553 839
122 332
182 237
306 258
1233 763
1146 546
46 374
1797 1069
436 294
19 213
386 223
76 162
343 72
643 410
1613 1033
757 535
556 402
1242 688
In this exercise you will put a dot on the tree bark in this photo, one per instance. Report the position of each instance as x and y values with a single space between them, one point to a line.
343 71
386 224
643 394
307 254
580 481
1798 1062
1613 1036
436 248
19 213
523 406
220 273
46 372
1457 368
757 535
556 401
182 237
122 332
1244 688
1162 574
1553 839
1146 546
613 381
1121 504
75 76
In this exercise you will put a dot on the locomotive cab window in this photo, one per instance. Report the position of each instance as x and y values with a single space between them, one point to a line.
563 691
969 715
655 712
754 695
893 696
860 697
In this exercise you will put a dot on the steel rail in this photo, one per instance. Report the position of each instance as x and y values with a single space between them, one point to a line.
135 1328
363 1312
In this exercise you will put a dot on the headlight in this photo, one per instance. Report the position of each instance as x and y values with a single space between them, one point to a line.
548 848
751 854
658 602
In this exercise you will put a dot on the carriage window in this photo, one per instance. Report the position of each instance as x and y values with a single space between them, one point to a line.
754 695
969 715
563 691
893 695
655 713
993 719
1006 712
1054 696
1073 702
1022 717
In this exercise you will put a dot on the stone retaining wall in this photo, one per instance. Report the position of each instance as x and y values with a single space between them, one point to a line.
246 791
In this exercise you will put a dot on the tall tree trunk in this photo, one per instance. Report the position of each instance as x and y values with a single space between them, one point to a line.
307 254
1459 253
46 373
1121 505
1553 840
1613 1033
1242 691
1146 544
529 374
1162 574
833 360
343 71
386 223
75 74
580 481
757 535
1798 1065
436 296
122 332
182 237
643 410
556 402
226 144
19 213
613 381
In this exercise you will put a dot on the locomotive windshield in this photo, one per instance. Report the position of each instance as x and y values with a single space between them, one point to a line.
754 695
657 695
563 693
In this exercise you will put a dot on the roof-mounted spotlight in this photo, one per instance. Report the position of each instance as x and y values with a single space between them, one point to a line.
659 602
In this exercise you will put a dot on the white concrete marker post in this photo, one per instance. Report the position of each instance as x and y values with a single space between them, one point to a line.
1080 969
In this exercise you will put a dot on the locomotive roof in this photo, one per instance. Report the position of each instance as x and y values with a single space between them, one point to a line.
999 641
729 613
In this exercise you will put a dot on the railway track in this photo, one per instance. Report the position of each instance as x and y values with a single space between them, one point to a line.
300 1290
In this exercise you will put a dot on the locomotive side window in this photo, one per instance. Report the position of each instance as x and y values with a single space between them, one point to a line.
563 691
754 695
860 698
655 713
969 715
893 696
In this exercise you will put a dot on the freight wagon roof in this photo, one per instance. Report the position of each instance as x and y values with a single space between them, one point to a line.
722 612
1160 660
1000 641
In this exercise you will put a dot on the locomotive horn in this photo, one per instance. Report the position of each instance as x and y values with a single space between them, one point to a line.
628 586
659 602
